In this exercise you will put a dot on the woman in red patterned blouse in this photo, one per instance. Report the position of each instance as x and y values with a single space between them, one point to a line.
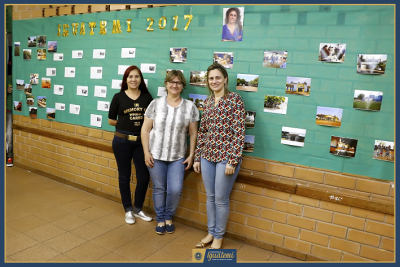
219 151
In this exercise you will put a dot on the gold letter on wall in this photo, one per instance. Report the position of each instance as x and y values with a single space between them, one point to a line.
82 31
74 28
190 17
59 29
160 24
91 26
65 30
149 29
116 27
128 21
176 23
103 25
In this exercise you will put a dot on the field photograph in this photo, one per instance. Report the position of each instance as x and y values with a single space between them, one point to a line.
367 100
27 54
198 100
248 143
276 104
247 82
17 49
20 84
371 64
46 83
329 116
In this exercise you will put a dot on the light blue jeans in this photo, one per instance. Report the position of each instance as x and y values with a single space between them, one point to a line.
167 177
218 188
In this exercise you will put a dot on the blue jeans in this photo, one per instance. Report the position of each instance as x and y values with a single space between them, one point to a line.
167 180
218 188
124 151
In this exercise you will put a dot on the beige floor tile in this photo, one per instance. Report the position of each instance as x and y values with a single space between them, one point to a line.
10 232
65 242
70 222
153 239
61 199
8 259
45 232
111 240
42 205
16 214
27 223
251 253
131 231
194 235
180 247
89 231
61 258
75 206
280 257
110 221
231 244
162 256
113 257
87 252
92 213
135 250
18 243
52 214
37 253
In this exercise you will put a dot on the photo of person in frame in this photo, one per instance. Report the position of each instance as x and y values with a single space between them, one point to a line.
233 24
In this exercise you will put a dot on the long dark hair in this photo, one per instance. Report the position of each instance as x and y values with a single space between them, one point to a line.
238 18
142 85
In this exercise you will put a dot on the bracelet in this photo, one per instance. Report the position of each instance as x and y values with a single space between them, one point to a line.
191 156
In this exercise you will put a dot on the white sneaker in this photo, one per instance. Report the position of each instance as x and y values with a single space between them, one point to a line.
143 216
129 218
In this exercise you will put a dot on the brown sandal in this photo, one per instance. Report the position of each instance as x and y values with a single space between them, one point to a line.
200 244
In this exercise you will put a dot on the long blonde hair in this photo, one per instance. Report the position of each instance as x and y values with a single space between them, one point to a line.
217 66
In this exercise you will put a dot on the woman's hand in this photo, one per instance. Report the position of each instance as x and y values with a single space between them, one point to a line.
189 162
148 160
229 170
196 167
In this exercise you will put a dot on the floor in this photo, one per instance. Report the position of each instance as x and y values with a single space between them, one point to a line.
48 221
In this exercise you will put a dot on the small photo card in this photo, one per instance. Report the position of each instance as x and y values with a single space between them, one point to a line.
224 58
198 100
100 91
293 136
58 89
58 56
32 41
41 54
34 78
247 82
99 53
128 52
148 68
28 88
27 54
30 100
17 49
232 21
103 105
332 52
161 91
41 101
33 112
367 100
344 147
52 46
250 119
51 113
69 72
77 53
371 64
122 69
116 84
74 109
50 71
46 83
17 105
82 90
95 120
248 143
275 59
60 106
177 54
20 84
275 104
41 41
198 78
383 150
298 86
329 116
96 72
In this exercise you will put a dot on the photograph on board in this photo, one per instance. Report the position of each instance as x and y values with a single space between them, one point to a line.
371 64
293 136
276 104
27 54
329 116
232 29
34 78
332 52
51 113
247 82
17 49
28 88
275 59
298 86
198 78
17 105
46 83
248 143
41 41
33 112
52 46
30 100
344 147
367 100
198 100
177 54
250 119
41 101
384 150
224 58
41 54
32 41
20 84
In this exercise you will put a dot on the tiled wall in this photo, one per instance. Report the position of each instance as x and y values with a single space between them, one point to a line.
323 229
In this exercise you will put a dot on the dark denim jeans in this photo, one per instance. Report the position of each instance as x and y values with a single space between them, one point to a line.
125 151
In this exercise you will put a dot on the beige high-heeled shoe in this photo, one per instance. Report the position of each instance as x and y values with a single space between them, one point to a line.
219 247
201 244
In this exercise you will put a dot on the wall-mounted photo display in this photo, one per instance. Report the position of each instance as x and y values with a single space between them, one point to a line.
276 104
34 78
58 89
177 54
232 29
77 53
247 82
51 113
384 150
32 41
28 88
100 91
250 119
52 46
116 84
298 86
41 54
99 53
27 54
344 147
20 84
17 49
224 58
371 64
69 72
128 52
50 71
332 52
46 83
168 70
60 106
198 78
41 101
82 90
95 120
293 136
148 68
198 100
96 72
162 91
122 69
33 112
329 116
248 143
41 41
74 109
103 105
30 100
17 105
58 57
367 100
275 59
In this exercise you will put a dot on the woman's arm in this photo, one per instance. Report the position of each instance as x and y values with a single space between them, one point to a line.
193 137
145 135
112 122
238 130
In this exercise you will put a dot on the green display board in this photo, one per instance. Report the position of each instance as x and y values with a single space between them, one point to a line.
297 29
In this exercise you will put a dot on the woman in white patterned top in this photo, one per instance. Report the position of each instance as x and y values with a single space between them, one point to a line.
164 138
